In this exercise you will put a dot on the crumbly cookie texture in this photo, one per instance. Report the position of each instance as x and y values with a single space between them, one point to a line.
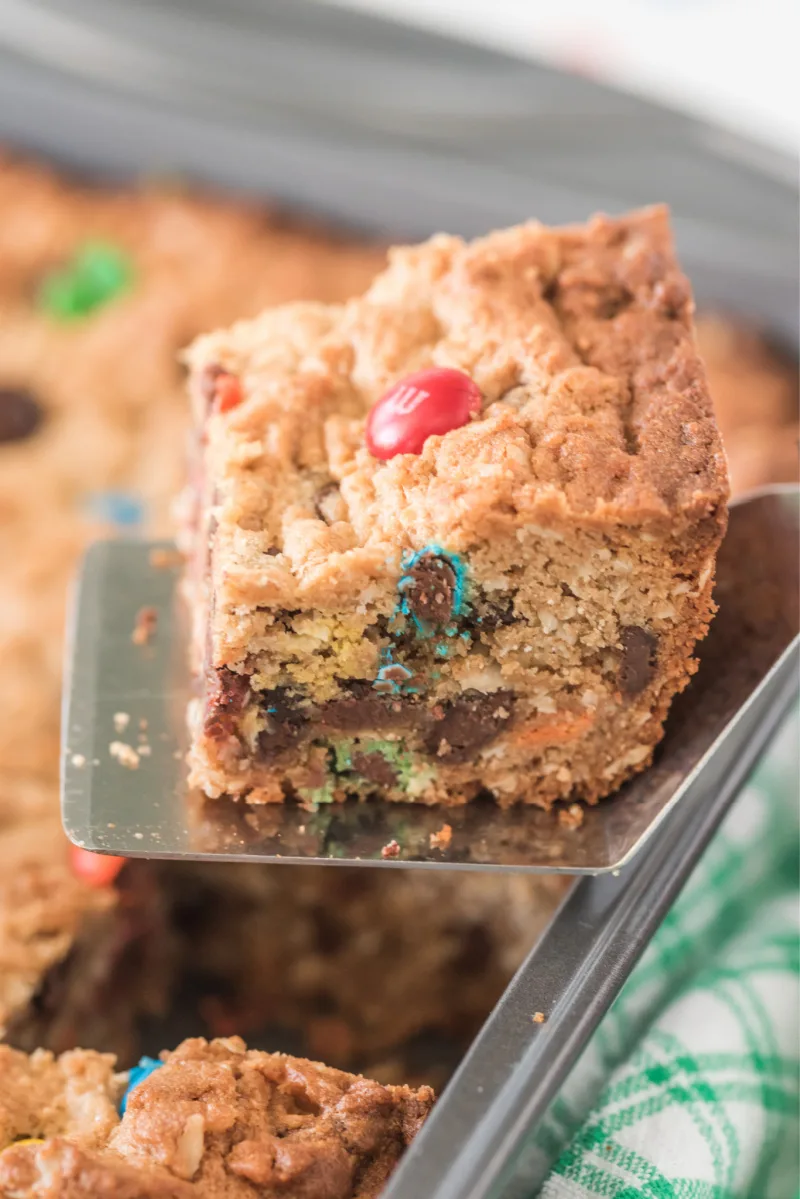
510 610
216 1121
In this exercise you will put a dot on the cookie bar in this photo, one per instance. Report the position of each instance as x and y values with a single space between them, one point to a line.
212 1120
381 604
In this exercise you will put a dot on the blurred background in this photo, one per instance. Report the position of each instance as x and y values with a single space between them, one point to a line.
727 60
167 167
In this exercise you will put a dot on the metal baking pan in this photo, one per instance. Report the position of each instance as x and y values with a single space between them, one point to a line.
401 133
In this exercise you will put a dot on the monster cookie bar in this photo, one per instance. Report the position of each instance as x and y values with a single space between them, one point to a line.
457 535
209 1121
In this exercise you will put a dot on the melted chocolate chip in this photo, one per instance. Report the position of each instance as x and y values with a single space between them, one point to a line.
226 695
286 721
20 414
639 657
429 588
375 768
468 724
356 712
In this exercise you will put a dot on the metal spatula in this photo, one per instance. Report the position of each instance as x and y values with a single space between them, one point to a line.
124 783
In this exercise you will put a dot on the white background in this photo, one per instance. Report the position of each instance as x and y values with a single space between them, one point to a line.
733 60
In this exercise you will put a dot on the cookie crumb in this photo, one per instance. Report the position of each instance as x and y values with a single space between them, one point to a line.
571 817
162 559
442 838
144 751
538 1017
392 850
121 721
125 754
145 626
78 760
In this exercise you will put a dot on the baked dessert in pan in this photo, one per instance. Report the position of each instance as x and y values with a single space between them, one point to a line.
99 291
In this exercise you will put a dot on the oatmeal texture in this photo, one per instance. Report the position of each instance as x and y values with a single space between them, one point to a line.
512 609
216 1121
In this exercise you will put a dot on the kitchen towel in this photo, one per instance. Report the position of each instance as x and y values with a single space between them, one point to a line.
689 1088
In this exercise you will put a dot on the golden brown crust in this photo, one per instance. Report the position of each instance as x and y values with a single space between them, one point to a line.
595 409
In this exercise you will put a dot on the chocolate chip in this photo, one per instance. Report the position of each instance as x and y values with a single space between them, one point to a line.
286 721
226 695
498 614
375 768
20 414
612 301
639 657
329 505
550 290
353 713
428 589
468 724
358 688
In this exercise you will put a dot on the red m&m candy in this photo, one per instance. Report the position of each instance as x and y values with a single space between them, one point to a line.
431 401
96 869
221 390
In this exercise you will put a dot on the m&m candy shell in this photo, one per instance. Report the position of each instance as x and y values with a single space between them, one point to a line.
97 869
436 400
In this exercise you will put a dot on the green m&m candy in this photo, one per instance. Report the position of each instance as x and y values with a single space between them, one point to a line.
97 272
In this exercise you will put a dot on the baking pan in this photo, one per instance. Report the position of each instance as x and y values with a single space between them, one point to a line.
402 133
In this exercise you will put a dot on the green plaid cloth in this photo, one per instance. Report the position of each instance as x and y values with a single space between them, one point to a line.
689 1089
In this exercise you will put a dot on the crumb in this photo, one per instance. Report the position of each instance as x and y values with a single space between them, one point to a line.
163 559
392 850
78 760
571 817
126 755
121 721
144 751
538 1017
145 626
442 839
